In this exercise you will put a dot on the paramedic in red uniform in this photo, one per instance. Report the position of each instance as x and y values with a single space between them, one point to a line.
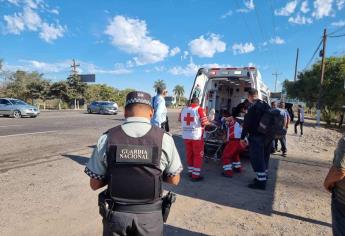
231 154
193 121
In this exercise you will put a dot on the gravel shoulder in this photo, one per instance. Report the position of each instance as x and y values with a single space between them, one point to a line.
53 197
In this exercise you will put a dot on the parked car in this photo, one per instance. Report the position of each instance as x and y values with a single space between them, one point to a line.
170 101
17 108
103 107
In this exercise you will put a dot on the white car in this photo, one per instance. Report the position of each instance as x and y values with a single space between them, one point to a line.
17 108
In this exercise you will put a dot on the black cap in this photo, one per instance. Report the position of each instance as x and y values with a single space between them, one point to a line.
138 97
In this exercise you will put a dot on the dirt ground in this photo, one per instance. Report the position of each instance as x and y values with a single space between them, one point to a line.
53 197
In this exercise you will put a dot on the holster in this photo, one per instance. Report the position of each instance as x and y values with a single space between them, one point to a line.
168 200
105 204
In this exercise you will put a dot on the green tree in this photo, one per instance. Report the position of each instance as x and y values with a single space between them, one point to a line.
76 89
38 89
59 90
17 84
307 87
159 84
179 92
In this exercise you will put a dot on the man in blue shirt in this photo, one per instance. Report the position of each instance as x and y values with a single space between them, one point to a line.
159 118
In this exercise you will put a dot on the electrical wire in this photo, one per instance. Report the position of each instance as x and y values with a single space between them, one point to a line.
336 36
312 58
341 28
246 23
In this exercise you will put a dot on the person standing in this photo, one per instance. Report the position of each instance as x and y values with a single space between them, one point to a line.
160 118
132 160
300 119
193 120
335 184
282 139
259 146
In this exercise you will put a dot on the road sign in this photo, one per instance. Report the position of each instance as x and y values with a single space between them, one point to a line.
88 78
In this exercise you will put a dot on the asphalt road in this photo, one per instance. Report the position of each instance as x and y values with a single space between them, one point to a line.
29 141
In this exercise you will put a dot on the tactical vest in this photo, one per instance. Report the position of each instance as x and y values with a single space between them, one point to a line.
134 175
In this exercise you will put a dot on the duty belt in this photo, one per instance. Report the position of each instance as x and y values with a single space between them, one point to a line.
139 208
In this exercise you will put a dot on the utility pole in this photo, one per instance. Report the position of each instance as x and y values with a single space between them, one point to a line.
74 67
323 54
276 74
74 72
295 78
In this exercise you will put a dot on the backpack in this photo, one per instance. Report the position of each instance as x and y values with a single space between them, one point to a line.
272 124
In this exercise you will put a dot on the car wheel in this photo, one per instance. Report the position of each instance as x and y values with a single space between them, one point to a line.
89 111
101 112
16 114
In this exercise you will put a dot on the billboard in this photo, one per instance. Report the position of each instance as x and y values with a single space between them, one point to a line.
88 78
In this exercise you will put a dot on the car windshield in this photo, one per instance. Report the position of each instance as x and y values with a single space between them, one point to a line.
18 102
106 103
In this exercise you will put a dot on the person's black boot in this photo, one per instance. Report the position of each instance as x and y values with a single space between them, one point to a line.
261 185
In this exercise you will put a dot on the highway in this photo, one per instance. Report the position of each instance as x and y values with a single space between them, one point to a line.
27 141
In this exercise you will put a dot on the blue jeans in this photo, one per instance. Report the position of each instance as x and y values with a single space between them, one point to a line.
338 217
282 140
259 151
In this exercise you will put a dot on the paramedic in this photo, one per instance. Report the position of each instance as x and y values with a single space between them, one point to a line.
193 121
231 154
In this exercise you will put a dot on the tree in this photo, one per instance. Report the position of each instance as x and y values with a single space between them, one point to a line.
306 88
179 92
17 84
76 89
38 89
159 84
59 90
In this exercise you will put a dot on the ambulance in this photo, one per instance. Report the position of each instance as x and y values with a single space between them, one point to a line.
222 89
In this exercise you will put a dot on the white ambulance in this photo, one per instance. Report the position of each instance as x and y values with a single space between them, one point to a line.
222 89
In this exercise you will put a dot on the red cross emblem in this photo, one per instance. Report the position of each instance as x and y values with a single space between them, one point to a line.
188 119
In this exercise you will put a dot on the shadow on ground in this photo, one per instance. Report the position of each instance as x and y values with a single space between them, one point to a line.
172 231
78 159
231 192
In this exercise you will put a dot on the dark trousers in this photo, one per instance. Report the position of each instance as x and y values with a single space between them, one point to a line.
259 151
282 140
130 224
299 123
338 217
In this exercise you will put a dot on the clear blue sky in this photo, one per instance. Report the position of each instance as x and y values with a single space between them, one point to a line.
130 44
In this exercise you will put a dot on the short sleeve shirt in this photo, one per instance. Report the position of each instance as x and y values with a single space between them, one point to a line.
339 163
135 127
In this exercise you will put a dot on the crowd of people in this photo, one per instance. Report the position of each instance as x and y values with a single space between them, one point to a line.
141 153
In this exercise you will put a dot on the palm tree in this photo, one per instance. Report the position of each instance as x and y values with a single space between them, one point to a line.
179 92
159 84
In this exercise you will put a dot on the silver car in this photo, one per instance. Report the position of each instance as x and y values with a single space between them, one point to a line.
103 107
17 108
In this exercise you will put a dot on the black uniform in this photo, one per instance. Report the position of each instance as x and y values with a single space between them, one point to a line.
132 160
134 183
259 145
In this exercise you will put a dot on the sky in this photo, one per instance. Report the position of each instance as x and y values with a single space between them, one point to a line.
131 44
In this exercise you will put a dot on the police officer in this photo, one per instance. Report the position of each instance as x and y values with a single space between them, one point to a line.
259 146
132 160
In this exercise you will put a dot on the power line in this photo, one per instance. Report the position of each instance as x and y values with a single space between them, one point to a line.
259 23
336 36
246 23
341 28
312 58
